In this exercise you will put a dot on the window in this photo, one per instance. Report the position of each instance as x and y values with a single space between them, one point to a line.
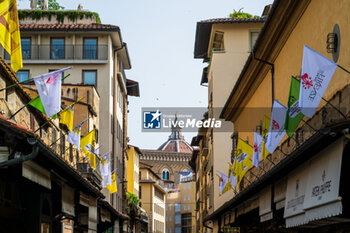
140 176
89 77
184 197
177 207
189 207
184 186
57 48
170 218
177 229
166 218
90 48
184 206
188 186
165 174
169 206
177 219
188 197
140 192
253 37
26 48
23 75
166 207
218 42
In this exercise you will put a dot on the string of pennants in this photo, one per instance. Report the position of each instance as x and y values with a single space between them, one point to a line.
304 97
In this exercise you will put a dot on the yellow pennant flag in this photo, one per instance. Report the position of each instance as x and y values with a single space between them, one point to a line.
113 188
243 160
265 132
66 118
87 143
10 37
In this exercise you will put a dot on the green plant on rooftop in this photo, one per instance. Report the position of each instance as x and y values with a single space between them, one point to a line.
72 15
53 5
242 15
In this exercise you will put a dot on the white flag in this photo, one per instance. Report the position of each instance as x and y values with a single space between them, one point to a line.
74 137
258 139
49 89
233 180
316 73
276 131
223 182
106 174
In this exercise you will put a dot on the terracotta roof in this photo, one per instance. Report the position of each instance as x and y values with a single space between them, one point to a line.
147 151
70 27
5 122
233 20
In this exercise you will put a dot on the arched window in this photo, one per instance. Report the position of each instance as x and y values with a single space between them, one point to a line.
165 174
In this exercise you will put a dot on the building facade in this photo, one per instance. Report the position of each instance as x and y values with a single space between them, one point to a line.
99 57
152 198
171 163
301 186
225 44
42 187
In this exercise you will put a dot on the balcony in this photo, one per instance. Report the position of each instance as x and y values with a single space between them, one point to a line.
63 54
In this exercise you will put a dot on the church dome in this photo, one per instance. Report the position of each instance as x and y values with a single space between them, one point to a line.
176 142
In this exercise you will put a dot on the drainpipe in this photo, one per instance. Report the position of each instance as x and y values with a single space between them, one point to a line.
272 75
32 155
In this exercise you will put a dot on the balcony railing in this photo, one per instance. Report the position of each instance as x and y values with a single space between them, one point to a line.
63 52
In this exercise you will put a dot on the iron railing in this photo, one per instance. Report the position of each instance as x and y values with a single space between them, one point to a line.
63 52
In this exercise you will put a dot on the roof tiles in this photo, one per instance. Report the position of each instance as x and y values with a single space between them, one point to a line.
71 27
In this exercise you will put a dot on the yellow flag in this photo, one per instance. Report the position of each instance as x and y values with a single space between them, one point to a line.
87 143
10 37
265 131
66 118
243 160
113 188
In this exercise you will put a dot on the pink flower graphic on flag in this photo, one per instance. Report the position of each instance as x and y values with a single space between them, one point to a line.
255 147
275 125
306 81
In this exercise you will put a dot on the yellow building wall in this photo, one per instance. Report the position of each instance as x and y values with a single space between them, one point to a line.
130 170
312 29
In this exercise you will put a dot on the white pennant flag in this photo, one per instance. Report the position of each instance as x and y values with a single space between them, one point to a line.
49 89
276 131
106 174
74 137
233 180
258 139
223 182
316 73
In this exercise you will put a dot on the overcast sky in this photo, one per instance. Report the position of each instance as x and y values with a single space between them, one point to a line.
160 35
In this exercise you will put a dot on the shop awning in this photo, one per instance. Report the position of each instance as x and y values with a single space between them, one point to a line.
313 189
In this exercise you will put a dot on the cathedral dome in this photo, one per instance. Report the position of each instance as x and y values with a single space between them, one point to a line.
176 142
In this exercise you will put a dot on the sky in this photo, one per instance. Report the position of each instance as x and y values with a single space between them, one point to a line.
160 36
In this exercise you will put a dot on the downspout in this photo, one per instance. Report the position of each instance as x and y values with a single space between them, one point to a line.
272 74
114 108
32 155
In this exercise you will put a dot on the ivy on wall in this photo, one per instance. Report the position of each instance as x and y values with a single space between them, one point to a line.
72 15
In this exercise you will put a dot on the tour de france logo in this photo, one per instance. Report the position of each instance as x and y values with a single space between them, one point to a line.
152 119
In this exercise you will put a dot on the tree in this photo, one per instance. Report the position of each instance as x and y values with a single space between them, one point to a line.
133 207
53 5
239 14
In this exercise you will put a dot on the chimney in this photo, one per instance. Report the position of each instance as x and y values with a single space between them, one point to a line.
44 4
33 4
80 7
